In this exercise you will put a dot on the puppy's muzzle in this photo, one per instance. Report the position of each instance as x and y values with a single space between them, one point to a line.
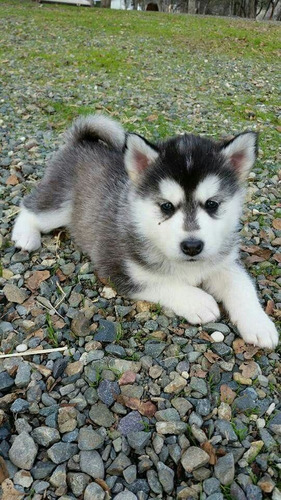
192 247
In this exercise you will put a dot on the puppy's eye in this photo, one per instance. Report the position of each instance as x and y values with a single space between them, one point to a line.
211 206
167 208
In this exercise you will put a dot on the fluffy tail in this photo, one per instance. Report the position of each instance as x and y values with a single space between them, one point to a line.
95 127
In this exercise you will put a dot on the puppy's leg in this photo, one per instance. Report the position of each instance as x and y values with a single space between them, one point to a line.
189 302
234 288
29 225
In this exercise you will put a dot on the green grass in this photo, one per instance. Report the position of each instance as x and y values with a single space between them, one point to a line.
159 73
52 335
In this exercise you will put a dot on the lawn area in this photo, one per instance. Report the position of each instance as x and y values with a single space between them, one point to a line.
157 73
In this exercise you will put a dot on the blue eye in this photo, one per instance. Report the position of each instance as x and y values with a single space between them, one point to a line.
211 206
167 208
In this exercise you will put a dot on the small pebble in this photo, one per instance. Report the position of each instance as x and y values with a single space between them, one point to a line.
21 348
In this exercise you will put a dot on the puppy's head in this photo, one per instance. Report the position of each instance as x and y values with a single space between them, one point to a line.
187 192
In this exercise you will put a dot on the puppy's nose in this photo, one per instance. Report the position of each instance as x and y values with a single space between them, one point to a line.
192 247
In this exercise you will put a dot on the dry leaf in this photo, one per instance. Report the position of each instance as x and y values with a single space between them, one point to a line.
36 278
4 474
277 257
212 357
208 448
102 484
205 336
147 408
248 369
269 307
227 394
12 180
196 371
276 223
9 492
239 346
250 351
253 259
60 275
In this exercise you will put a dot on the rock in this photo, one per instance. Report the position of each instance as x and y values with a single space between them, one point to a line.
108 391
15 294
153 482
74 368
220 327
167 415
23 451
106 331
94 492
19 406
67 419
171 427
80 325
268 440
92 464
224 411
203 407
274 424
155 371
217 336
193 458
130 474
266 484
58 478
128 377
224 469
241 380
211 485
100 415
138 440
21 348
236 492
60 365
226 430
253 492
120 463
253 451
166 477
177 384
125 495
133 422
77 482
89 439
45 436
60 452
23 478
6 382
23 375
182 405
199 385
154 348
221 349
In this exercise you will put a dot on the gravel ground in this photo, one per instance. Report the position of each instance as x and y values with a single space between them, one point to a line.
140 404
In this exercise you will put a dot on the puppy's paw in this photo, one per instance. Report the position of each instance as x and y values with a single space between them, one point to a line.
259 330
25 234
202 308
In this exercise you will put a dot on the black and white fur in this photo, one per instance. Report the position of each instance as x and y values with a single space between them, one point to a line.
159 220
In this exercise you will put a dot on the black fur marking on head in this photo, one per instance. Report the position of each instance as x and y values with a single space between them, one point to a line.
188 160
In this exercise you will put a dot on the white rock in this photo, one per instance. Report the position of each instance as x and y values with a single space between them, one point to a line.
270 409
108 293
217 336
260 423
21 348
185 375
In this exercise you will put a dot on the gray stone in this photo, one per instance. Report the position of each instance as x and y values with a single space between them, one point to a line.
118 465
23 451
92 464
167 415
89 439
116 350
220 327
6 382
60 365
275 423
193 458
198 385
60 452
253 492
78 482
106 331
216 496
45 436
268 440
182 405
19 406
58 478
153 482
203 407
211 485
100 415
226 430
130 474
221 349
125 495
154 348
123 311
41 486
80 325
15 294
166 477
138 440
133 422
224 469
236 492
94 492
171 427
108 391
42 470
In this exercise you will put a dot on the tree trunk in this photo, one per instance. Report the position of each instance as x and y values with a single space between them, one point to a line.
106 4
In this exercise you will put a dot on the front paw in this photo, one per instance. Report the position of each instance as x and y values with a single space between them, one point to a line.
258 330
201 308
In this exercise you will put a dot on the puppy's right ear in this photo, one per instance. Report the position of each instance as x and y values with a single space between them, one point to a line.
139 155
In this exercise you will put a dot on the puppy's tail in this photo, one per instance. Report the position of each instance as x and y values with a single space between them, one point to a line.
92 128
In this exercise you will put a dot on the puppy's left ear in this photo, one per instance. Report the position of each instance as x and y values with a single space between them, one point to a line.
139 155
241 152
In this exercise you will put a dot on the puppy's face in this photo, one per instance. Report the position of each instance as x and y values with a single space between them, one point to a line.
188 193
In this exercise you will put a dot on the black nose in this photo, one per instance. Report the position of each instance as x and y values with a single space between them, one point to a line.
192 247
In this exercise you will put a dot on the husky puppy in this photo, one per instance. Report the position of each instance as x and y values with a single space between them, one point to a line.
159 220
